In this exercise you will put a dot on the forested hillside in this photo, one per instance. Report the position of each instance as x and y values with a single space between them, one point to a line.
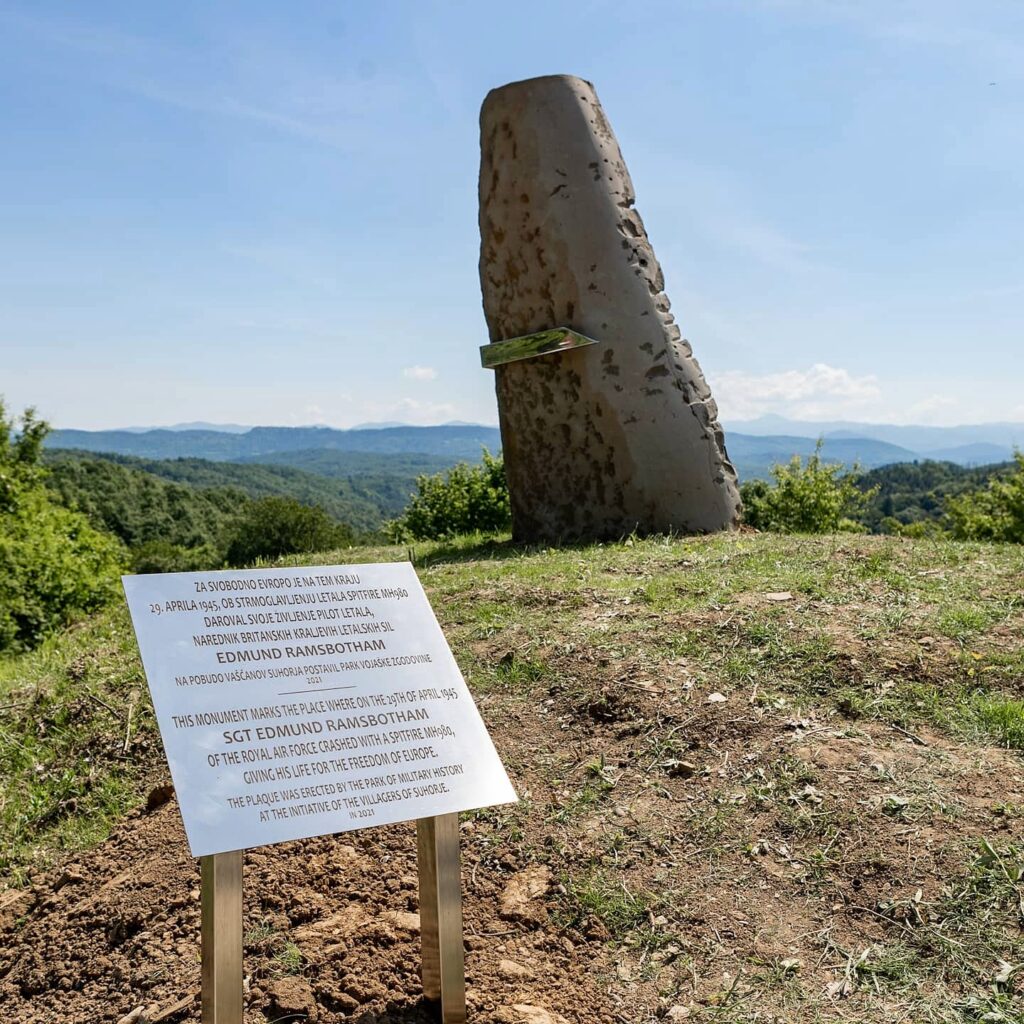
186 501
363 465
753 457
363 500
915 492
139 507
407 451
167 526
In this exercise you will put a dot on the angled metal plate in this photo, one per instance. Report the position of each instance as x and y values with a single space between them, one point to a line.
530 346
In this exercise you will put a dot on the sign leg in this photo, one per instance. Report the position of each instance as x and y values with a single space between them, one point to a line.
221 875
444 975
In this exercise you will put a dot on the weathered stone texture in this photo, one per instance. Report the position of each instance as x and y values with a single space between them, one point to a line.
615 437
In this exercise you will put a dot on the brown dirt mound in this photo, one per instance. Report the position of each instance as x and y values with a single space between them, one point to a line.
331 933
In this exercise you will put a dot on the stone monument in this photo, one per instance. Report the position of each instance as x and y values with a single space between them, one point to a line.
613 429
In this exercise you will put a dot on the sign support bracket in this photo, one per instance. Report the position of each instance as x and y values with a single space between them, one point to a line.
444 976
221 903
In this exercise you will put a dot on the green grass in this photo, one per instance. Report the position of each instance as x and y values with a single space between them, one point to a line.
602 895
284 955
593 665
77 741
1003 719
289 958
963 933
655 600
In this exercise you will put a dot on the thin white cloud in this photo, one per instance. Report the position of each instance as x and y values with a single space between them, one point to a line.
277 87
420 373
935 409
821 392
81 34
765 243
969 33
718 207
198 101
349 411
407 410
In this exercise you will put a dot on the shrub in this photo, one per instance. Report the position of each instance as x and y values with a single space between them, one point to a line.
20 451
995 513
54 566
928 529
163 556
466 499
814 498
276 526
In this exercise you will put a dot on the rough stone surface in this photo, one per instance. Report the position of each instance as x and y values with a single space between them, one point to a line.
137 1016
524 892
292 997
511 970
615 437
526 1013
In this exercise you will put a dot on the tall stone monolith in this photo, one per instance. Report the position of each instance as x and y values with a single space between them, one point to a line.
618 436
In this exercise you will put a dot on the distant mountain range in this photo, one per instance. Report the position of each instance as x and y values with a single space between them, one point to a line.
226 428
238 428
454 442
754 446
927 441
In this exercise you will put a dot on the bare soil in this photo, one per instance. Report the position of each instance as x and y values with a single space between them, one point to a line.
118 929
332 927
695 841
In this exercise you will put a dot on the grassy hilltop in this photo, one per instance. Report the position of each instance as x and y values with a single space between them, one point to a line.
763 778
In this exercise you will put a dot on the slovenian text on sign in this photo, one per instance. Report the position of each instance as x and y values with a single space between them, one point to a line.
302 702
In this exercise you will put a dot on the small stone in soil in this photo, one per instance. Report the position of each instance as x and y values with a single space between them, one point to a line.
524 1013
524 888
292 997
513 971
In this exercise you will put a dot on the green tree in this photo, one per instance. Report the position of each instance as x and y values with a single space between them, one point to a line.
20 451
995 513
54 566
815 497
466 499
166 526
910 497
275 526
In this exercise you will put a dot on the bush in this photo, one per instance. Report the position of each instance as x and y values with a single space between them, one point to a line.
54 566
927 529
812 498
466 499
995 513
163 556
20 451
275 526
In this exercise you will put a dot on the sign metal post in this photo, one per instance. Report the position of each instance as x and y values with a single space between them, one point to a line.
221 909
444 977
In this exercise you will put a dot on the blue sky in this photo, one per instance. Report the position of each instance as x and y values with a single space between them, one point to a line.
266 213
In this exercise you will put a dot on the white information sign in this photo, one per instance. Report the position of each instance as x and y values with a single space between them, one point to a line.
302 702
